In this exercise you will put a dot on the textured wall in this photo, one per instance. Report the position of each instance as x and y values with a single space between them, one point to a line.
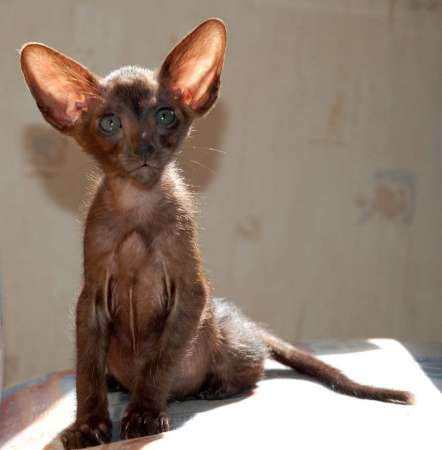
321 211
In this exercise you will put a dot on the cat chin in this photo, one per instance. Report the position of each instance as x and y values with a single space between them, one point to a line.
146 176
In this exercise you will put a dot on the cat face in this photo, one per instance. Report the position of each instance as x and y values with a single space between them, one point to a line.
136 124
134 120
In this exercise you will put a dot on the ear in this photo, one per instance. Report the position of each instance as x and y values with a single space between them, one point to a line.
61 87
192 69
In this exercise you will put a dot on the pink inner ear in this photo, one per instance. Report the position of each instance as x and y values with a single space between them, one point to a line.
194 79
64 102
194 65
59 84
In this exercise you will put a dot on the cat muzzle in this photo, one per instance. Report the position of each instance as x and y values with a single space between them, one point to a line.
145 151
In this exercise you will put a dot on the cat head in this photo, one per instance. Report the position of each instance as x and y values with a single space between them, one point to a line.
134 120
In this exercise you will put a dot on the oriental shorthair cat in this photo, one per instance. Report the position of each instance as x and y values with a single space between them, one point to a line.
145 315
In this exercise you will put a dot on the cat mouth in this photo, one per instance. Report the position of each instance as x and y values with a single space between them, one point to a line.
142 166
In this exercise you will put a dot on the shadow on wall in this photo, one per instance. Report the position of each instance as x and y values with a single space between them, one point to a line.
66 172
58 164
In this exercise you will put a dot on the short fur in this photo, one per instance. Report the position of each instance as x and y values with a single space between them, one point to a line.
145 316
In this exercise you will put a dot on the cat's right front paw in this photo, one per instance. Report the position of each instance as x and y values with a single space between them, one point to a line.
137 423
87 433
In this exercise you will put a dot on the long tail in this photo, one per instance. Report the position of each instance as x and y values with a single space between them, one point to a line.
307 364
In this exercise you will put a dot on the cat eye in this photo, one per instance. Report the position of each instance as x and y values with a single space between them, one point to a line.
165 117
110 123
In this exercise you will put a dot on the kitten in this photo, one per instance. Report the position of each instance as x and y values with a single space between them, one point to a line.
145 315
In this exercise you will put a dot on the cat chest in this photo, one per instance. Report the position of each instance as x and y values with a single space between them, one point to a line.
134 293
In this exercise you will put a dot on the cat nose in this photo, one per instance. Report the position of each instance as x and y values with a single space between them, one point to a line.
144 150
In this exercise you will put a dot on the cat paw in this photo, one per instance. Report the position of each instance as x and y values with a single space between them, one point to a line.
87 433
143 423
213 394
220 392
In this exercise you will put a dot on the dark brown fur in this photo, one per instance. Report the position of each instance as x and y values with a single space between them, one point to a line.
145 314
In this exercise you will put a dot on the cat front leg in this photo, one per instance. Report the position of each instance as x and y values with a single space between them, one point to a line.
146 411
92 425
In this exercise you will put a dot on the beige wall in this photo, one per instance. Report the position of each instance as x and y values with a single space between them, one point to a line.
322 216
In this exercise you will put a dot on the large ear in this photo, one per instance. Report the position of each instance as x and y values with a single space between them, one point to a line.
192 69
61 87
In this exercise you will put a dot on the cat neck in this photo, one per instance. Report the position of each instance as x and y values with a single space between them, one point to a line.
127 195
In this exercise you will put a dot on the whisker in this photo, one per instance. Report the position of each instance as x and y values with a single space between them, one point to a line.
212 149
201 165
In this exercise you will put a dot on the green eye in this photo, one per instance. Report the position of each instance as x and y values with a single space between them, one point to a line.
110 123
165 117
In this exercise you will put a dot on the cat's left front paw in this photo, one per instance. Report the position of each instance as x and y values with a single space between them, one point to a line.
137 423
